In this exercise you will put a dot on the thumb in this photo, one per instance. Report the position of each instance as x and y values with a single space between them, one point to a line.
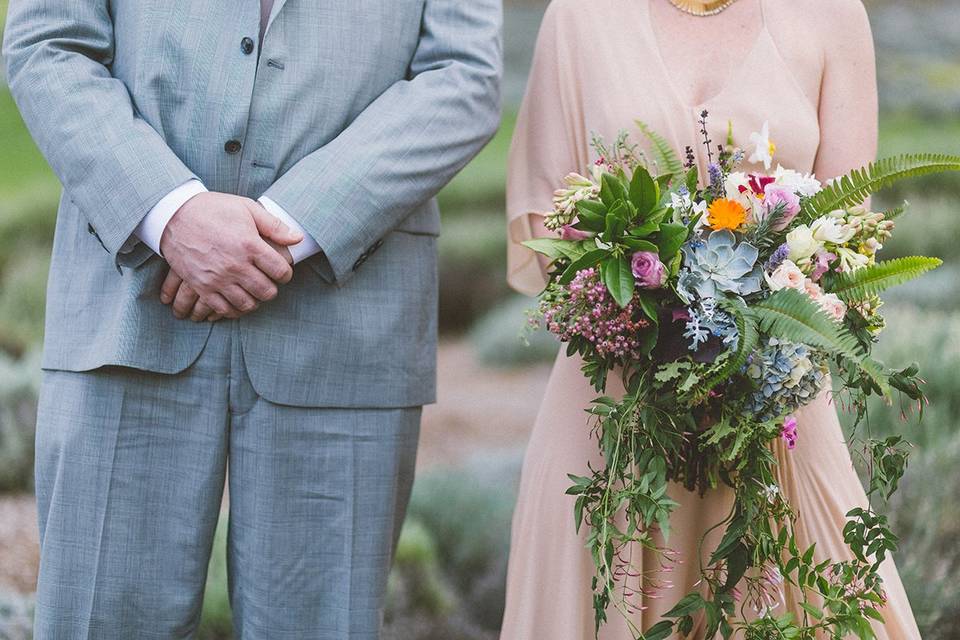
272 228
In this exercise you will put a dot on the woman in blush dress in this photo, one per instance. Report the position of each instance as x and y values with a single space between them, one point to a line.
807 67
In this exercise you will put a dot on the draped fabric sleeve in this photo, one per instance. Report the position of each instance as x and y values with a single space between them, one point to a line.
548 143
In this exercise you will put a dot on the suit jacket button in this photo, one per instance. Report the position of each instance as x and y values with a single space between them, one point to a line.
247 46
232 146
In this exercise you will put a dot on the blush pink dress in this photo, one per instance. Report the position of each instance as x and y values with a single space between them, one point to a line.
597 68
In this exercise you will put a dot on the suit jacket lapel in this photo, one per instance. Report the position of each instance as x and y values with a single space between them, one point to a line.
277 6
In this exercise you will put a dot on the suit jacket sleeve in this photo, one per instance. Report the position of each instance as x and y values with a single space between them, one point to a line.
408 143
113 165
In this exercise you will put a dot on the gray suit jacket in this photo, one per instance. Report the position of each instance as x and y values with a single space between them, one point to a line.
352 117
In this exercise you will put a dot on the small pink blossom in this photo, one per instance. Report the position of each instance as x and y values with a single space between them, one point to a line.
789 432
821 264
569 233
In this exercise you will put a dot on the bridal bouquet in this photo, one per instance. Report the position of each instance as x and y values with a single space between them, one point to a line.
724 308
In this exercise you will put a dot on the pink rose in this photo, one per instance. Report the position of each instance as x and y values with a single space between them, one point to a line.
813 290
569 233
775 196
648 270
833 306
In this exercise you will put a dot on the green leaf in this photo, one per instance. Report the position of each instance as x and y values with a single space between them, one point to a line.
591 218
855 187
670 238
592 206
636 244
666 156
871 280
693 179
812 610
619 279
611 189
737 563
587 260
615 224
644 192
870 612
659 631
791 315
690 603
553 248
648 305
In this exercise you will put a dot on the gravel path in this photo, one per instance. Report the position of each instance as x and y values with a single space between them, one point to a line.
479 409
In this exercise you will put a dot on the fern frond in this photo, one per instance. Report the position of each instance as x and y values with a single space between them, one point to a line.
853 188
749 337
791 315
666 156
896 212
872 280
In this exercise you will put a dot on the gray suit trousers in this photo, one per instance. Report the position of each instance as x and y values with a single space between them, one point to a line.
131 468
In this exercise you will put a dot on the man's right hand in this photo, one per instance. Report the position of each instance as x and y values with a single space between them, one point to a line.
218 244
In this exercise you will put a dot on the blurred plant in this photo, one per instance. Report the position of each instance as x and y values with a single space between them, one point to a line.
22 291
469 510
16 616
926 510
216 622
19 383
501 341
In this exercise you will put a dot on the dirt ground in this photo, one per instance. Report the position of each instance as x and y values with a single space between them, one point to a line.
478 409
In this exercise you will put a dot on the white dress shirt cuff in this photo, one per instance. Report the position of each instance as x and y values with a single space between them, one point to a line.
303 249
150 229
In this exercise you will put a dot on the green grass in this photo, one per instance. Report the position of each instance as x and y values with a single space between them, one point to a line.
22 168
482 185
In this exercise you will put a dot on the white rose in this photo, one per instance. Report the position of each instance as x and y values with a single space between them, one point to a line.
802 244
833 306
800 184
829 229
786 276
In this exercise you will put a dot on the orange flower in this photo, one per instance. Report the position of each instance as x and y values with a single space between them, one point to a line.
726 214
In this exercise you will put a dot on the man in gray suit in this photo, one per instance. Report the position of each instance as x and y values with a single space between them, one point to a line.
203 146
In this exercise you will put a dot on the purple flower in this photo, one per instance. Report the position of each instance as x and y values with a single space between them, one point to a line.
789 432
775 196
777 258
648 270
821 264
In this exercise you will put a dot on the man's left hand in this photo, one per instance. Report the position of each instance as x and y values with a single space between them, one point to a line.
187 304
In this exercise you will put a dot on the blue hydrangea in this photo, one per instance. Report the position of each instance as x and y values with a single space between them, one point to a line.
788 376
719 265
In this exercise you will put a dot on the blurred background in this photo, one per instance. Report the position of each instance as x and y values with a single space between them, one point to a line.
449 580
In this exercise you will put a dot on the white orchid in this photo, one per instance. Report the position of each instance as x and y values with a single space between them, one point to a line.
764 148
831 228
799 183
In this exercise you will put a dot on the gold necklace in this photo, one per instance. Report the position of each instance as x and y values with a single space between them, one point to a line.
702 9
